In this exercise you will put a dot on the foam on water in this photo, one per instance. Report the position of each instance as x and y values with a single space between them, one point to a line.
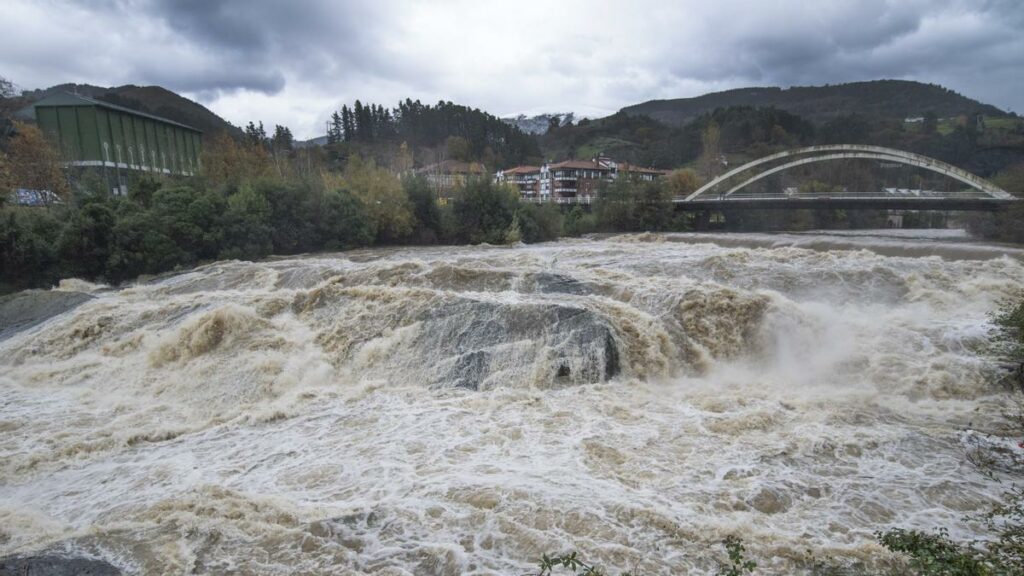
464 410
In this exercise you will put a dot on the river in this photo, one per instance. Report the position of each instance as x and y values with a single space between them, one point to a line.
463 410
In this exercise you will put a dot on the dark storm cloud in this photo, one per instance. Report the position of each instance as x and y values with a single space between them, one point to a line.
213 46
833 43
256 41
223 75
295 61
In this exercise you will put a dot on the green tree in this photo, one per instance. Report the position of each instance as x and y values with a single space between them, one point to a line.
6 182
514 234
539 223
141 191
613 209
682 183
191 218
458 149
293 207
246 226
343 221
653 210
382 194
425 210
87 237
256 135
282 141
335 130
484 211
578 222
28 238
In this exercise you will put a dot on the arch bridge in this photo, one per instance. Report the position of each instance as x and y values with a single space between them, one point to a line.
730 190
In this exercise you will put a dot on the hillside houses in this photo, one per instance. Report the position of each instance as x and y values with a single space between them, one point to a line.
571 181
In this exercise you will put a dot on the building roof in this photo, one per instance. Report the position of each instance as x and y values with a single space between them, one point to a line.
521 170
69 99
577 164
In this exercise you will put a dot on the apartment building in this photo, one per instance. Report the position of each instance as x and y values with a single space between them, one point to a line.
525 178
572 181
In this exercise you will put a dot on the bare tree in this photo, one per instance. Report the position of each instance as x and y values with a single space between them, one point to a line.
32 162
8 89
9 102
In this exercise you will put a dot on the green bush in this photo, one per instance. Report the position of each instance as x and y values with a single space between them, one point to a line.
27 246
578 222
539 223
343 222
483 211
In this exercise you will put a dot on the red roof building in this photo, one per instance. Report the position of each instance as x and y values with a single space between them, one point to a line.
525 178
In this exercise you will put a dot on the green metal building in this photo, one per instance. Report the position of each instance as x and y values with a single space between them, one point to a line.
91 133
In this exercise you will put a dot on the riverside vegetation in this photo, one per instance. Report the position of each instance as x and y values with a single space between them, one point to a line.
260 195
255 198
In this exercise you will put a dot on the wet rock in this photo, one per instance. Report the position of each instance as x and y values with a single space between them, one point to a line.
445 340
550 283
24 310
54 565
482 337
769 501
470 369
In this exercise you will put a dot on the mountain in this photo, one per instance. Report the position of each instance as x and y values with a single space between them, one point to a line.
318 141
878 99
150 99
540 123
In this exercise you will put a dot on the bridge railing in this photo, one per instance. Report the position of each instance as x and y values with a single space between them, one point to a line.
742 195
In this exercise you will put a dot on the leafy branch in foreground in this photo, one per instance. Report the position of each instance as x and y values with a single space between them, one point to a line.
935 554
738 563
1008 337
569 561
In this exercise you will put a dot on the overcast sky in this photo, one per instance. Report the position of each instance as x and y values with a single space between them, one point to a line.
293 62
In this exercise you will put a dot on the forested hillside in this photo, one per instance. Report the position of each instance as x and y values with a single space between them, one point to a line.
880 99
986 147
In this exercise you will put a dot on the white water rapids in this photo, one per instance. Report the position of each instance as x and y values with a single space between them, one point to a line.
464 410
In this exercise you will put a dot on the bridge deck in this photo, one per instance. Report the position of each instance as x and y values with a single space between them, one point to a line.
972 204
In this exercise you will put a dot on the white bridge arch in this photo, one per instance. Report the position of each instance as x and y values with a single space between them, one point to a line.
850 151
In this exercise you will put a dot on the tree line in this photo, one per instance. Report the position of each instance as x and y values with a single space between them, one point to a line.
488 139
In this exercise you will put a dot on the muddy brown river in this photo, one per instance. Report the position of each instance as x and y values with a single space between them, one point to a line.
464 410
